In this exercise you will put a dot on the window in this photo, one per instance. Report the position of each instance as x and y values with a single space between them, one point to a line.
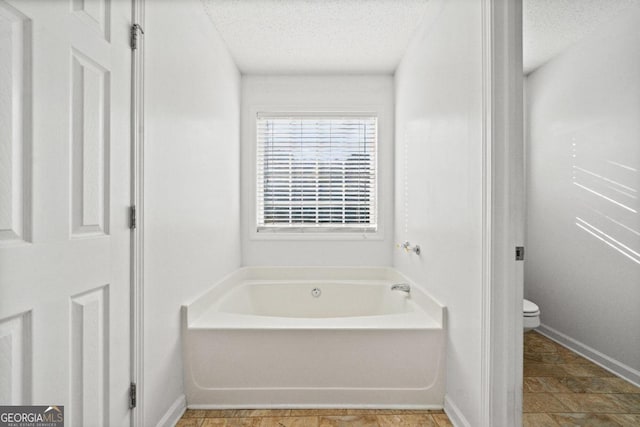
316 173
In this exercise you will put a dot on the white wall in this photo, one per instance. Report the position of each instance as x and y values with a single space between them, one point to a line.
330 94
439 182
583 173
192 234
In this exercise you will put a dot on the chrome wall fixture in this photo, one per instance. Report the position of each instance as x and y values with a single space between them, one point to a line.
408 248
402 287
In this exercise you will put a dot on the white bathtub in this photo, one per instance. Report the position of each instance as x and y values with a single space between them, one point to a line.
260 339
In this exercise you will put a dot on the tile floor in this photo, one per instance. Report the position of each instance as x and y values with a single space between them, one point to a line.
313 418
561 389
564 389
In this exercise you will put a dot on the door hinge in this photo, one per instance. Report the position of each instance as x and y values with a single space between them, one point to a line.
134 35
132 217
519 253
132 396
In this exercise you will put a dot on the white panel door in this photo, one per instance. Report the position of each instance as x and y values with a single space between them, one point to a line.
65 187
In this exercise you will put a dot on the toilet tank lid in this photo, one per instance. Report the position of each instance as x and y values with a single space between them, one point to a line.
529 307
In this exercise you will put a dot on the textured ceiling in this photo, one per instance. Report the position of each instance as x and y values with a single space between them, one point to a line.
551 26
316 36
371 36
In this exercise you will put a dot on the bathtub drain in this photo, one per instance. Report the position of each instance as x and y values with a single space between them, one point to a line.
316 292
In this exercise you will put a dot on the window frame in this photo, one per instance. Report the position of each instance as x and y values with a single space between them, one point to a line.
312 232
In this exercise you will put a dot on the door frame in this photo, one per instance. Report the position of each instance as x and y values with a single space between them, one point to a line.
137 191
503 214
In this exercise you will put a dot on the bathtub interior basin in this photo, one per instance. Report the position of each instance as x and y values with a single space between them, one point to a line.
314 299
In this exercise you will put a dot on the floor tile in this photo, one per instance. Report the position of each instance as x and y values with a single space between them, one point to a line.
536 369
536 343
626 420
594 385
349 421
314 418
585 370
241 422
193 413
538 420
622 386
631 402
586 420
216 413
239 413
544 385
442 420
289 422
569 356
541 402
190 422
541 347
591 395
416 420
591 403
391 411
554 358
317 412
270 413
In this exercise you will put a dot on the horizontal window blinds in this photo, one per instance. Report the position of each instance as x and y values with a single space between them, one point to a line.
316 173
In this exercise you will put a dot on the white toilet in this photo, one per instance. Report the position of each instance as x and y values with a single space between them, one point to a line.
530 314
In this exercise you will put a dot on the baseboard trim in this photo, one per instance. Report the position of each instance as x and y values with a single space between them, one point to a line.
315 406
454 413
600 359
174 413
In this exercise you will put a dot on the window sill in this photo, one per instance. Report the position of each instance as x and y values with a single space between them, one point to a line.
316 235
